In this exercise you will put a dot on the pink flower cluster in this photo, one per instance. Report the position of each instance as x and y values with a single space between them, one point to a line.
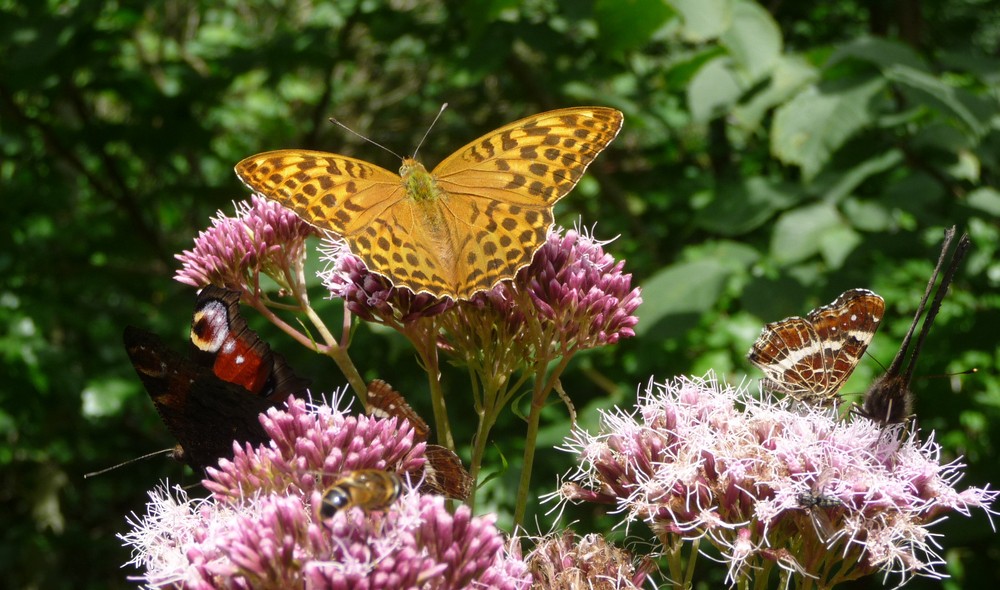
262 237
824 498
567 561
258 529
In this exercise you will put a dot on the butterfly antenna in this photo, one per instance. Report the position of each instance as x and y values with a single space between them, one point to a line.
129 462
368 139
428 132
971 371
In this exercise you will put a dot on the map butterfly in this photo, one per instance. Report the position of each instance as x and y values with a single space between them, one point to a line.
443 473
810 358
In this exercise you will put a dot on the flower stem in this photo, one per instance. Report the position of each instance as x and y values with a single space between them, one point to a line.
543 387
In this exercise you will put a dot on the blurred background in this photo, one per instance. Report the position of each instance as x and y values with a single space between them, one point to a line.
773 155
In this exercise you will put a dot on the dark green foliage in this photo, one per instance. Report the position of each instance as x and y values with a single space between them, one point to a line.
768 162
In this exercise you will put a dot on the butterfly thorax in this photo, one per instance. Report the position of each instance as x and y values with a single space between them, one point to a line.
424 193
419 183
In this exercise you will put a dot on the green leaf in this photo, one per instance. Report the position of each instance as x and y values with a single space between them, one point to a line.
954 103
704 20
738 209
104 397
714 89
753 40
866 215
877 51
789 75
847 182
686 288
820 120
836 244
629 24
797 234
986 199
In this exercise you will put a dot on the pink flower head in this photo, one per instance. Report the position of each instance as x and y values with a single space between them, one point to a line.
310 448
371 296
573 296
568 561
821 497
259 528
581 291
270 541
262 237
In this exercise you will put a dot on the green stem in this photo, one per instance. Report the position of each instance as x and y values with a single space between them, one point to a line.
479 449
429 356
330 347
692 559
543 387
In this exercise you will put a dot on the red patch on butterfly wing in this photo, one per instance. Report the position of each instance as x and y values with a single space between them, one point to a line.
224 342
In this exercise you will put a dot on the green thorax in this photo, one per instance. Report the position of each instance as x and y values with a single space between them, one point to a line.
419 183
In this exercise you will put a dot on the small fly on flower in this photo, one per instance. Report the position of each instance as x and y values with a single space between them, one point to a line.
368 489
817 502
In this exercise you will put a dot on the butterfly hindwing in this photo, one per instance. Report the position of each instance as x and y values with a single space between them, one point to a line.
443 473
204 413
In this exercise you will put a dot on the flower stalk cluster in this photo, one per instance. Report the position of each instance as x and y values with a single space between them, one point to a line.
573 296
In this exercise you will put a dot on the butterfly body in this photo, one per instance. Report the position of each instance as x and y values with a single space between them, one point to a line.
419 183
471 222
888 400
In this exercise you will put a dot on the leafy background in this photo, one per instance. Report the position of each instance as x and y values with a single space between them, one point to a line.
773 156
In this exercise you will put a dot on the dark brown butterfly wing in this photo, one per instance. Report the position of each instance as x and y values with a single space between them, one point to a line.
215 396
204 413
889 400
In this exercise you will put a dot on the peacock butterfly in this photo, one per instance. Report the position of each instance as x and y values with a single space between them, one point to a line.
214 396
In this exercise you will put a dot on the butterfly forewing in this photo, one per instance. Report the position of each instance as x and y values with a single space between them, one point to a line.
472 222
443 472
386 402
845 328
531 162
329 191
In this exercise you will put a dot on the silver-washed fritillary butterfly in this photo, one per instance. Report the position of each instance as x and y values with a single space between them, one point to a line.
473 221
